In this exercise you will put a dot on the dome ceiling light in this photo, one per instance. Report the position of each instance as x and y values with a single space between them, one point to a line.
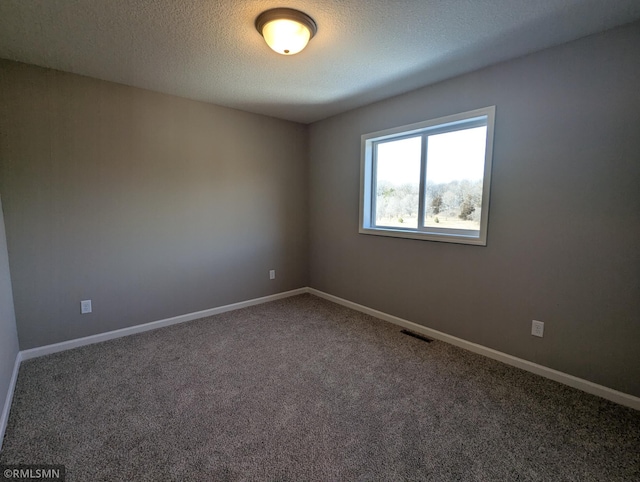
286 31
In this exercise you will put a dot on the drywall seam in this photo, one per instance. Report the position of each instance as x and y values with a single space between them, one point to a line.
558 376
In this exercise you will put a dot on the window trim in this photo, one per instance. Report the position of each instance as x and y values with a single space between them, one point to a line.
465 120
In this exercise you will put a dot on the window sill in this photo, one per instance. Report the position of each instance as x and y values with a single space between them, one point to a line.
425 236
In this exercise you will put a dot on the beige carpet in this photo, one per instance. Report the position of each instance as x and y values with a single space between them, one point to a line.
303 389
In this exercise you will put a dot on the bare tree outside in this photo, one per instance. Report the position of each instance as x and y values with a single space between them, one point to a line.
454 180
429 180
456 204
398 182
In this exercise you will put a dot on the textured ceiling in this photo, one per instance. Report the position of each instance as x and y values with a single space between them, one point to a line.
365 50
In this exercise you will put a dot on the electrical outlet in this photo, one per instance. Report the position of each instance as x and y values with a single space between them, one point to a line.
537 328
85 306
272 274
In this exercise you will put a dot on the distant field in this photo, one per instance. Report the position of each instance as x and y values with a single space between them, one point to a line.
452 222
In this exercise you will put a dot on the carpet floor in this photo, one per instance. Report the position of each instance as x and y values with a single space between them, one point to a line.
304 389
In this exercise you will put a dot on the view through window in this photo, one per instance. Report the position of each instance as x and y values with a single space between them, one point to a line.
429 180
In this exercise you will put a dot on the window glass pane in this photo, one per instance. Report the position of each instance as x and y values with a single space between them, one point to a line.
455 171
398 182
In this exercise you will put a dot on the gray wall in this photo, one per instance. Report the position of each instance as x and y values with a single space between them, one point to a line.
150 205
563 236
155 206
8 334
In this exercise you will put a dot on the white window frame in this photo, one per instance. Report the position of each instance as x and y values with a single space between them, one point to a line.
464 120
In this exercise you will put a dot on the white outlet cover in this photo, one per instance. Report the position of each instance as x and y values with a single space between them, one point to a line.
85 306
537 328
272 274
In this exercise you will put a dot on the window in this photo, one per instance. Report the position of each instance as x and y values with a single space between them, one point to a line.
429 180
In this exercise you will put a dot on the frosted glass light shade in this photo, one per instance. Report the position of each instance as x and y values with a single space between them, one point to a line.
285 30
286 37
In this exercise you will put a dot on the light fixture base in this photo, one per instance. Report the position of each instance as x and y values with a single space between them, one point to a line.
286 14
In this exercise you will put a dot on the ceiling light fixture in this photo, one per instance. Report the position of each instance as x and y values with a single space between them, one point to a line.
287 31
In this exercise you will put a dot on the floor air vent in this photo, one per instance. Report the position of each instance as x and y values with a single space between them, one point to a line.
416 335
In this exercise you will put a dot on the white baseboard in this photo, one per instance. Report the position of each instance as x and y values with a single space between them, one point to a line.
558 376
110 335
154 325
4 416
